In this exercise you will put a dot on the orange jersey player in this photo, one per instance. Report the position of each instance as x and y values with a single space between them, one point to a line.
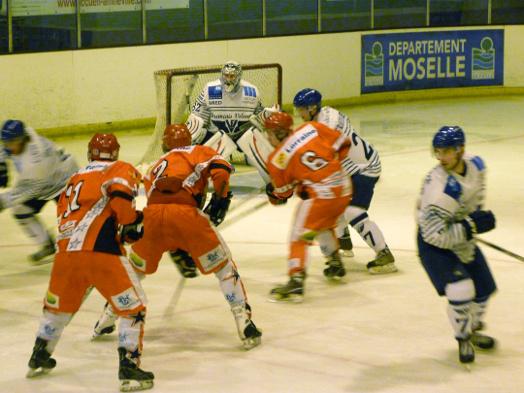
97 200
306 162
176 188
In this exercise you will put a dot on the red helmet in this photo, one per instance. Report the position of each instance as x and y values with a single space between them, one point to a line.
103 147
176 135
280 124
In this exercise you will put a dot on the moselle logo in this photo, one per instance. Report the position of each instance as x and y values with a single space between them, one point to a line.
230 297
52 300
213 258
374 66
483 60
126 300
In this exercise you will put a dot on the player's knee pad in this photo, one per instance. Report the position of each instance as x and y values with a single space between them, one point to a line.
23 212
52 324
460 291
327 242
354 215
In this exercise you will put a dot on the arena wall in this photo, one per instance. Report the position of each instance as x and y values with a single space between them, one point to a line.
72 91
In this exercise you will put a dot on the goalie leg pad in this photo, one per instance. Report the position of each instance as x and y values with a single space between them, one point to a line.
222 143
257 149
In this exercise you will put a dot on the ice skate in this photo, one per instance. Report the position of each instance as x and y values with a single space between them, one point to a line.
383 263
41 361
335 268
106 322
346 245
293 291
247 330
47 250
466 351
184 263
131 377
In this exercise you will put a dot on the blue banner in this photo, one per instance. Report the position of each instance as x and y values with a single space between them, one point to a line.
410 61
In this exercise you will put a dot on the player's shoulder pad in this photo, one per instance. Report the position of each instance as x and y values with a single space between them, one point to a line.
478 162
453 188
249 89
125 169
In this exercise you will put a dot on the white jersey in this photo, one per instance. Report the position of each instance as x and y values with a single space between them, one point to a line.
363 157
225 111
43 171
446 199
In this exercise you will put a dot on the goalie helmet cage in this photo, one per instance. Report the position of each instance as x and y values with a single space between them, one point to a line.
177 90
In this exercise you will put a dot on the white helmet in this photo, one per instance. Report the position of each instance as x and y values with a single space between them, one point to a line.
231 75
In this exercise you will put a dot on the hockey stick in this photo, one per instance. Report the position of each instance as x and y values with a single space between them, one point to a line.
245 213
502 250
168 313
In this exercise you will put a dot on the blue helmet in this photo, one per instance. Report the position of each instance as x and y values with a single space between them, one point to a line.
307 97
12 129
449 136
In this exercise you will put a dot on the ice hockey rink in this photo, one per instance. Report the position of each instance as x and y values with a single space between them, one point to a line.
371 334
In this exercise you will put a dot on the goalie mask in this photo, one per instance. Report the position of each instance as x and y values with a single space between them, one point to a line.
231 75
175 135
103 147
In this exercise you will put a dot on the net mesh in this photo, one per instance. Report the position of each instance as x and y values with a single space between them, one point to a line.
177 90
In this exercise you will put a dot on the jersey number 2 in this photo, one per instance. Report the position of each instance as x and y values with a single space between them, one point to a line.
368 150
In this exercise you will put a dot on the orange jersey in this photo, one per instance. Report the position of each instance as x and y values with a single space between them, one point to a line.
97 199
308 158
181 176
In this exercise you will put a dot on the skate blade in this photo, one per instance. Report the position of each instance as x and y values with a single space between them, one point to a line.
287 299
384 269
250 343
130 385
37 372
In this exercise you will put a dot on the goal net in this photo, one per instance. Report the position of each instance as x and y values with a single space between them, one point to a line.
177 90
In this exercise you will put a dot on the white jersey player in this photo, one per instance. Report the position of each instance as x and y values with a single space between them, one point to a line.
221 116
449 215
43 171
362 163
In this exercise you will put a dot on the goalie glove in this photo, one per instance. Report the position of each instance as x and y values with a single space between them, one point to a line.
273 199
130 233
217 208
4 177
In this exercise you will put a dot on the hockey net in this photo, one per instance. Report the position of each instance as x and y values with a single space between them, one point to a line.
177 90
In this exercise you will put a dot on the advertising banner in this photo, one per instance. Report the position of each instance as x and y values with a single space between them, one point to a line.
427 60
61 7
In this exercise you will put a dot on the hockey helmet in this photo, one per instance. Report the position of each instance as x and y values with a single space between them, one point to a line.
279 124
449 136
176 135
104 147
307 97
12 129
231 75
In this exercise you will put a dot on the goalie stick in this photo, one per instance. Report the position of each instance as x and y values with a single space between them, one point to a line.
501 249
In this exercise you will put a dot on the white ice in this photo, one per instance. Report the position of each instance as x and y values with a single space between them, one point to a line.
380 334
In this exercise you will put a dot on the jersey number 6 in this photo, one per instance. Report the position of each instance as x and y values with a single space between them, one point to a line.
312 161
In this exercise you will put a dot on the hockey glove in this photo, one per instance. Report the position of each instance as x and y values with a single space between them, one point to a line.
479 221
184 263
4 177
217 208
273 199
130 233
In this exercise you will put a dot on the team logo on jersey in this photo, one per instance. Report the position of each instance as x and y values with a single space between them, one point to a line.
126 300
52 300
374 66
214 92
483 60
250 91
213 258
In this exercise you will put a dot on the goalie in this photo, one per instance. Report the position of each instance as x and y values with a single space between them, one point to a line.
228 115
